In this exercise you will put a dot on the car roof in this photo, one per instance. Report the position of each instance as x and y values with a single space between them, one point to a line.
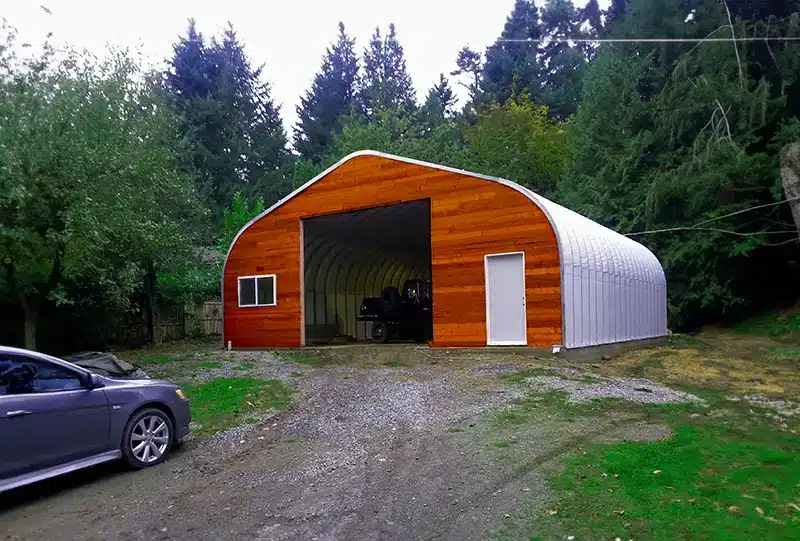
38 355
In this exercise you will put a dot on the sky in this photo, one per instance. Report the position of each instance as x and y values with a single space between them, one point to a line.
288 37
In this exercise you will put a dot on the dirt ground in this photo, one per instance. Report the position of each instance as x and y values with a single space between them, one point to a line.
382 443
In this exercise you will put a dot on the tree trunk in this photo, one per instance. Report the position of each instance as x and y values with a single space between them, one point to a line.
790 178
31 310
150 285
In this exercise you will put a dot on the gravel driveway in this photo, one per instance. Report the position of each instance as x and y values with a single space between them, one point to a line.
366 453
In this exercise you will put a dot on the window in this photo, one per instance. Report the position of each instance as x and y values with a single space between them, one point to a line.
26 375
257 290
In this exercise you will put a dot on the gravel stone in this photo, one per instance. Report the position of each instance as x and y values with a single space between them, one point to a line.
783 408
362 454
642 391
492 370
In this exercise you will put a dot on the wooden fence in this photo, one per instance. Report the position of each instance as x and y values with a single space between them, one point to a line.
203 319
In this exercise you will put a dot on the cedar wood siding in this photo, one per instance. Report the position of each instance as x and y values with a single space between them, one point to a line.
470 217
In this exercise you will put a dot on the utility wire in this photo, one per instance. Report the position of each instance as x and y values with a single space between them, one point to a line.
697 227
693 228
748 210
647 40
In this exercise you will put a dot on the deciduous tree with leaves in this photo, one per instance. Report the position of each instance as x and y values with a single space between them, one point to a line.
89 193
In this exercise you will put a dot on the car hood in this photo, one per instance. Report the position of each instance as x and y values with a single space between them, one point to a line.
134 382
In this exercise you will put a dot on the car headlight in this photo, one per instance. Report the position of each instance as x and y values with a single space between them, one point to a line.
181 394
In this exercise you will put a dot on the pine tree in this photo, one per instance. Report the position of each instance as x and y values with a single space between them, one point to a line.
512 66
386 83
616 12
331 97
562 64
441 96
590 24
187 80
438 105
470 63
675 135
231 128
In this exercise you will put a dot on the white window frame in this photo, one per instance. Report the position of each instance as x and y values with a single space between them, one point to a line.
255 278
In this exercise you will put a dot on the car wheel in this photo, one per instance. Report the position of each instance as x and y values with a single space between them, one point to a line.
380 332
147 439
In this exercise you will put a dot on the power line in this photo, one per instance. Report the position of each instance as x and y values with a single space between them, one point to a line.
692 228
647 40
697 227
788 200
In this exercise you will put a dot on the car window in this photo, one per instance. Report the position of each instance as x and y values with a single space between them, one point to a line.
25 375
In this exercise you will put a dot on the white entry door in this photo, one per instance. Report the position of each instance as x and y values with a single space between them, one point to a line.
506 321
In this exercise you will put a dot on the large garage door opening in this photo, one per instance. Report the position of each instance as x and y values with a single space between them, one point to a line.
356 256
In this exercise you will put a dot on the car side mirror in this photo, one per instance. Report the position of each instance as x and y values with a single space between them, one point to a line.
92 381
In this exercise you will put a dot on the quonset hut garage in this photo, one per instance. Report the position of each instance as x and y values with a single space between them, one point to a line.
506 266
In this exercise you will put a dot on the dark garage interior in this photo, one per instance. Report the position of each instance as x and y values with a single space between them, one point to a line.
350 256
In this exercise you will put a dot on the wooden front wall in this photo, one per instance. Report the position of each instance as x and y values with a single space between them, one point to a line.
470 217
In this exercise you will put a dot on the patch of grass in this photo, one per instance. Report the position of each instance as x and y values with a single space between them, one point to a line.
503 444
519 377
531 407
228 402
296 375
244 366
210 364
395 364
773 324
783 352
161 359
708 481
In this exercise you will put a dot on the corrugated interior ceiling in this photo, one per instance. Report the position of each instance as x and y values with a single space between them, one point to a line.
354 255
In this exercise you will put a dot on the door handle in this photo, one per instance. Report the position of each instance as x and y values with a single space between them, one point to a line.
18 413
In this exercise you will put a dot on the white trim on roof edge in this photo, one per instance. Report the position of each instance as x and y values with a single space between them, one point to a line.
612 288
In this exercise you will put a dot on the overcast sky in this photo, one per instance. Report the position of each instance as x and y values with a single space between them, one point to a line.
288 36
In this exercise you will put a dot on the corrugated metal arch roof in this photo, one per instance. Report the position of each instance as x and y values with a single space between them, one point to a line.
582 243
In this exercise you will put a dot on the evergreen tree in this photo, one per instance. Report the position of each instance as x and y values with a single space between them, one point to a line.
386 83
470 63
615 12
592 15
331 97
232 129
676 135
590 24
512 65
441 99
562 64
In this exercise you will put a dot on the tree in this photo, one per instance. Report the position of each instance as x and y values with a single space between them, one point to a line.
386 83
230 125
331 97
520 142
89 191
682 140
511 66
615 12
470 64
440 100
592 16
235 218
561 63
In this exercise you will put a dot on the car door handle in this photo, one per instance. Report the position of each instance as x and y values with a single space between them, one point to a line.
18 413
